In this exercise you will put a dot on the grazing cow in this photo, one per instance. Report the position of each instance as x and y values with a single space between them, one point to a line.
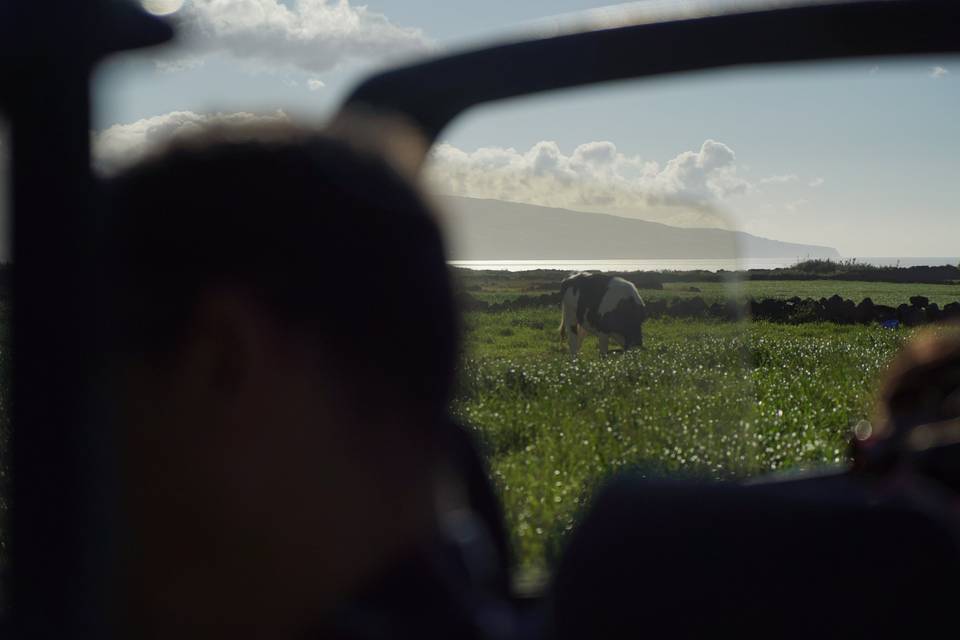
605 306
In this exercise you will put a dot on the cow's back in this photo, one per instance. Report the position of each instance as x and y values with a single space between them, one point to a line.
584 292
621 312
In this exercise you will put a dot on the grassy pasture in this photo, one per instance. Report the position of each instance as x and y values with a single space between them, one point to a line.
705 398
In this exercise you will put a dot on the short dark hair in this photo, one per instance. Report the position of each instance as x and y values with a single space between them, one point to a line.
332 238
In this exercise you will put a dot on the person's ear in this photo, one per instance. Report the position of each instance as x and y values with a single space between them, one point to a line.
227 342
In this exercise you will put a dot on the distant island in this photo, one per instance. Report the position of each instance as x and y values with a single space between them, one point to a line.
499 230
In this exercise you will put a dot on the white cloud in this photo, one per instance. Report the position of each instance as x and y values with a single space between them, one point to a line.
311 35
594 177
123 144
178 64
780 179
315 84
938 72
816 182
875 69
796 205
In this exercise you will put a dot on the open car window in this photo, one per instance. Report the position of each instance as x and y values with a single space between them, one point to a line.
788 229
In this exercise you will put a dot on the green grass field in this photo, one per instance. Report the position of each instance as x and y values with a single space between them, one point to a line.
703 397
706 398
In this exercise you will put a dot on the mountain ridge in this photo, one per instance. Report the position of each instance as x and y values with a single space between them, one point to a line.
488 229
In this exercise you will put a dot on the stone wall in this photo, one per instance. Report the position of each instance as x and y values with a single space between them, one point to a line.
795 310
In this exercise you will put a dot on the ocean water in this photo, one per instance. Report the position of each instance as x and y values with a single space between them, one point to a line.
683 265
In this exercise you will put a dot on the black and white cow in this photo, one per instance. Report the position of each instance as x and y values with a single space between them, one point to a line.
605 306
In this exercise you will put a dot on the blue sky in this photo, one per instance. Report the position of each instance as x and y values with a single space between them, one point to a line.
860 156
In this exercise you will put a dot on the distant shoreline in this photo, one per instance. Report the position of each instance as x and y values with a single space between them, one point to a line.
643 273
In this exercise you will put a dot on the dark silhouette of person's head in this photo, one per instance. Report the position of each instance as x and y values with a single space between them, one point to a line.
282 339
919 398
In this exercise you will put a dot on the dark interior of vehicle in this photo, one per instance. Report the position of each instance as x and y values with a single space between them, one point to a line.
823 555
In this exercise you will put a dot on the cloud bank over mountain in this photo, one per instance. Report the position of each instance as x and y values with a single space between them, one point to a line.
595 175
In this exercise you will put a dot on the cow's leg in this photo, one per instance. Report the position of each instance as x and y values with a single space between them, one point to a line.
573 340
604 341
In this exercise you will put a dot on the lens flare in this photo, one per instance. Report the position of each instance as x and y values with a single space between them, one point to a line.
162 7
